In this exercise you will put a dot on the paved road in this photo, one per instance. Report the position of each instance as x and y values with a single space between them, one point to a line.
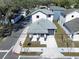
2 54
11 55
8 42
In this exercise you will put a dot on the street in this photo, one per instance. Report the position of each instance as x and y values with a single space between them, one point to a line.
7 44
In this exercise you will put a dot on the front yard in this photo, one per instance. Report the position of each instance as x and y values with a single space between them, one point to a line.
30 53
71 54
29 43
62 38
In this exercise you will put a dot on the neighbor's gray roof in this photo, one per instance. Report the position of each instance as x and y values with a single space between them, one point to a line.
68 11
45 11
57 8
73 25
41 26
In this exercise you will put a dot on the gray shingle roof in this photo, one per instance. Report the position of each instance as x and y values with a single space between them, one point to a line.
45 11
41 26
73 25
57 8
68 11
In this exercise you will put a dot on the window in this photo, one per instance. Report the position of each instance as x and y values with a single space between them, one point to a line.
42 35
34 34
49 15
37 16
77 33
64 24
72 15
50 31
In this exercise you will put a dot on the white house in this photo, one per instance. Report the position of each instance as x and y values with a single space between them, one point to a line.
42 27
41 30
68 15
40 36
72 29
42 13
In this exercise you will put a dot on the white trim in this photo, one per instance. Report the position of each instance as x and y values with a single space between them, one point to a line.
7 53
4 50
19 57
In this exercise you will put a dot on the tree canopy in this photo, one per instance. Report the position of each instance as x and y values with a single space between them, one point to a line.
5 5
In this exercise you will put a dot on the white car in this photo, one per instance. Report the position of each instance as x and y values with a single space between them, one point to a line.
23 12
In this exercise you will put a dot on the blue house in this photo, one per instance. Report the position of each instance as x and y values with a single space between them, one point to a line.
57 11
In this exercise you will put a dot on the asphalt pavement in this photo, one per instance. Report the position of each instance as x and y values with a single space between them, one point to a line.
9 42
11 55
2 54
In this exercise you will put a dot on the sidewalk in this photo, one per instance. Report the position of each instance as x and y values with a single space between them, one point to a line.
17 46
51 42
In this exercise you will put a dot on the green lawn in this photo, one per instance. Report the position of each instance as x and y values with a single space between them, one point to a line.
1 38
1 27
31 53
33 43
62 38
70 54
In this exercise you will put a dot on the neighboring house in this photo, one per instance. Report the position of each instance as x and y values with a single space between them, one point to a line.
41 13
41 29
57 11
43 7
68 15
73 29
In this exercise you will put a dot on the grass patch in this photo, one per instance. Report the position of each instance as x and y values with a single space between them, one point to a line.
30 53
70 54
63 39
32 43
1 38
1 27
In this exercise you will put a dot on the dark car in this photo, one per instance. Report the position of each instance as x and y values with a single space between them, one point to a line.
6 32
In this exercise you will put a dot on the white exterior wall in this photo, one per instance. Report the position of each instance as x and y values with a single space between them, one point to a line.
41 15
50 18
76 37
69 16
62 20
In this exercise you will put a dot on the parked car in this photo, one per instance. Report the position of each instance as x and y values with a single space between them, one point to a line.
5 31
16 18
